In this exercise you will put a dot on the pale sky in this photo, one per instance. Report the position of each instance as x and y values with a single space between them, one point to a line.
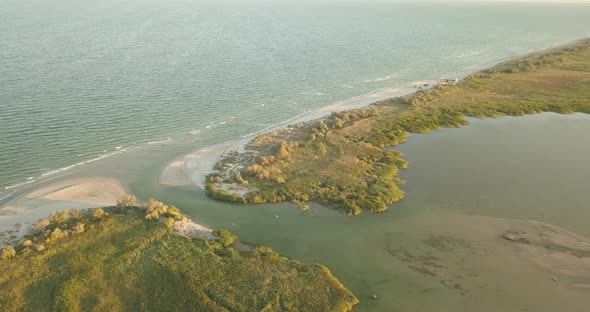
440 1
563 1
538 1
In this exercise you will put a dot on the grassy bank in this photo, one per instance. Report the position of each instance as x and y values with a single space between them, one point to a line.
340 161
127 260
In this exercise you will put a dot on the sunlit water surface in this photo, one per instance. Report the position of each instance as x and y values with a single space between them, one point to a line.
462 186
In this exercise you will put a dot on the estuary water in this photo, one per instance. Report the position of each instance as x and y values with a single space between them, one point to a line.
441 248
80 82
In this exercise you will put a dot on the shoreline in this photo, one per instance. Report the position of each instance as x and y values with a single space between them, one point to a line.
184 171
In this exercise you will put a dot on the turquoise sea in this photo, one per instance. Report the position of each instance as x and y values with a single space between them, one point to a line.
82 81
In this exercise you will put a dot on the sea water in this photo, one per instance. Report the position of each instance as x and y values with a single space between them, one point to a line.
81 82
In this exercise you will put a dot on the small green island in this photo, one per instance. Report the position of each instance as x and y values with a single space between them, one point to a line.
141 258
345 160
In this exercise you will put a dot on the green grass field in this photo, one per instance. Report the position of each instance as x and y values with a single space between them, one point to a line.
339 161
123 262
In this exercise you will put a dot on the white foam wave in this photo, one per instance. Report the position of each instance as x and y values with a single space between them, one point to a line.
106 154
81 163
101 157
5 196
379 79
471 54
168 139
19 184
58 170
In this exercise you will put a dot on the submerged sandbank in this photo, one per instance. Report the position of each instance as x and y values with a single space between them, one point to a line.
553 248
466 260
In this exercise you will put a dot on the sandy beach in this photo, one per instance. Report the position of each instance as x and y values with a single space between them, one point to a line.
80 193
192 168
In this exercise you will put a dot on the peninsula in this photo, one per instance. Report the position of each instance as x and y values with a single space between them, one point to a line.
346 160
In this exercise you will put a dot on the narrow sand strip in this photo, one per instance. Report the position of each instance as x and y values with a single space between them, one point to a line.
191 169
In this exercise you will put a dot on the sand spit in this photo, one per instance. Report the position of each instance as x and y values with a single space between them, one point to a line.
191 169
81 193
92 190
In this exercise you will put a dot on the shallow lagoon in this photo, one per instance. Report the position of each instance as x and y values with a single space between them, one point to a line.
440 249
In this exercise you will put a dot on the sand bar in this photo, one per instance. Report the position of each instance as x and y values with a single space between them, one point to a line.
17 215
192 168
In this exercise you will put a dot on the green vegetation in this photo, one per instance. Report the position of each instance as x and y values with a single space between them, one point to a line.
226 239
340 160
116 259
